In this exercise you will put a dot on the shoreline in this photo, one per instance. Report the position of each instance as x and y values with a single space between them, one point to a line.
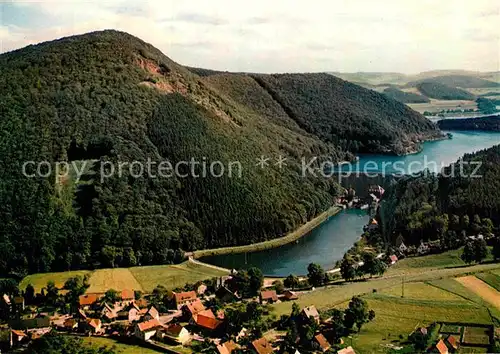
302 231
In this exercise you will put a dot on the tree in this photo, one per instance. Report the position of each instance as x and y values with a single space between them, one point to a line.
54 343
316 274
357 313
372 265
256 280
76 286
52 292
496 247
468 253
295 311
480 250
111 296
347 269
278 286
486 226
291 281
29 294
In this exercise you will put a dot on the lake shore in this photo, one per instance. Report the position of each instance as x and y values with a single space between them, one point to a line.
277 242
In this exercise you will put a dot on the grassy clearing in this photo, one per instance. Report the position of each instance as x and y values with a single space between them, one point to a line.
136 278
491 279
120 348
458 289
335 294
40 280
172 276
397 317
439 105
441 260
277 242
117 278
422 291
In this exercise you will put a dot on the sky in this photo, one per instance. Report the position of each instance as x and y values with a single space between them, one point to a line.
406 36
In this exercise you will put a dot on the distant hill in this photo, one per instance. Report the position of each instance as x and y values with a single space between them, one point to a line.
458 81
443 92
110 97
405 97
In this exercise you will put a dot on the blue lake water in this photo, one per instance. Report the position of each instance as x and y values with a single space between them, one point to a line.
328 242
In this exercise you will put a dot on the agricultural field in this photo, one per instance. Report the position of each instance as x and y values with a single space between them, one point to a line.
136 278
120 348
422 291
439 105
445 259
40 280
491 279
482 289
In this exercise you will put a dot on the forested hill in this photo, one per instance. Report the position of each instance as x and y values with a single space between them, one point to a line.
110 97
447 207
490 123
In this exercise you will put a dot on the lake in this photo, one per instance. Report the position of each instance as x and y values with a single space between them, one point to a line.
328 242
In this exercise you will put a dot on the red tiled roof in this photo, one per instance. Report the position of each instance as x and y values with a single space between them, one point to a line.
441 347
207 321
88 299
227 347
174 330
262 346
347 350
453 342
195 307
185 296
323 343
206 313
290 295
269 295
144 326
93 322
128 294
18 333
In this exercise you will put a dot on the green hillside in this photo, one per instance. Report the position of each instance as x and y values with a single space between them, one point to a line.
405 97
109 98
443 92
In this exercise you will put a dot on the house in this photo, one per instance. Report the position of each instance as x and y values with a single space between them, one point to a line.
32 324
93 325
146 330
6 299
373 225
70 324
347 350
184 298
176 333
452 343
322 342
268 297
441 348
393 259
152 314
309 312
227 347
108 312
201 289
262 346
141 303
226 295
206 320
290 295
127 295
190 310
19 302
81 315
87 300
423 248
422 331
17 337
131 313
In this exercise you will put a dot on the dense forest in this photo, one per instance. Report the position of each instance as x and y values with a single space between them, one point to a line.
108 98
405 97
491 123
448 206
440 91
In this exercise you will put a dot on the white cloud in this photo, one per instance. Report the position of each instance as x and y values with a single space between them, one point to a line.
287 35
